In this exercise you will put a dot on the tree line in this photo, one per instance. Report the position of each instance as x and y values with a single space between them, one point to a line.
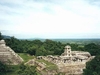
37 47
49 47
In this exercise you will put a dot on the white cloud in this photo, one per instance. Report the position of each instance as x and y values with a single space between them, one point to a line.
50 20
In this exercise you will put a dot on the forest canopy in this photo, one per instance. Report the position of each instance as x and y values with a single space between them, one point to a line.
47 47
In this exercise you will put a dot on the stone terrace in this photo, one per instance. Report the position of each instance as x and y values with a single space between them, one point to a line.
8 56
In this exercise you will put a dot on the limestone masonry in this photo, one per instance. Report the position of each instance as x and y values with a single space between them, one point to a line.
70 62
8 56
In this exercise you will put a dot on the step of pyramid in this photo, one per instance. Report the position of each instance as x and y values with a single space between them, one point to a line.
7 54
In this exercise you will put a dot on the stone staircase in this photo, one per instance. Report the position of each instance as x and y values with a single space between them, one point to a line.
8 56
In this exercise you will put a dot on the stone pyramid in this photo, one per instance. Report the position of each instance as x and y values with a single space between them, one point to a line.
8 56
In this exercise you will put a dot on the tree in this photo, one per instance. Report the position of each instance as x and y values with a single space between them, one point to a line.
15 44
74 46
41 51
93 49
93 67
1 37
27 70
4 69
32 50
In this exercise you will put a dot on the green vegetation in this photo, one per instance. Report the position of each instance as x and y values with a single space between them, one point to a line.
93 67
18 69
25 56
27 48
1 37
47 47
37 47
94 49
3 69
27 70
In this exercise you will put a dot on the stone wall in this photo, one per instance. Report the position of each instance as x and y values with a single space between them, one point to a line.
8 56
70 62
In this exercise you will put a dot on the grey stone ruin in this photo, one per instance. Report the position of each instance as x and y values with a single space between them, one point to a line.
8 56
70 62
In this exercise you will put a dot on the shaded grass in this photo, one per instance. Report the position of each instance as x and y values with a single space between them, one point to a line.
14 69
26 57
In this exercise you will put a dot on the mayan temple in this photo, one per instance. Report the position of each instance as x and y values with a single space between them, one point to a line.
70 62
8 56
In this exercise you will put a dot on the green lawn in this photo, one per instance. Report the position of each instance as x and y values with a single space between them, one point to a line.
26 57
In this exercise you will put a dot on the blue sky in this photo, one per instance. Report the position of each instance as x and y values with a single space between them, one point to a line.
50 18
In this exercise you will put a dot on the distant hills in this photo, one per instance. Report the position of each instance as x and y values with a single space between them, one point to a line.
6 37
79 41
72 41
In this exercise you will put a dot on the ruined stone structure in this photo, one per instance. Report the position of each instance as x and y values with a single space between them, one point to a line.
70 62
8 56
74 56
67 51
70 56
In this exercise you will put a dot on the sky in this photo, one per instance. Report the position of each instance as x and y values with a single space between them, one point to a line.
50 18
